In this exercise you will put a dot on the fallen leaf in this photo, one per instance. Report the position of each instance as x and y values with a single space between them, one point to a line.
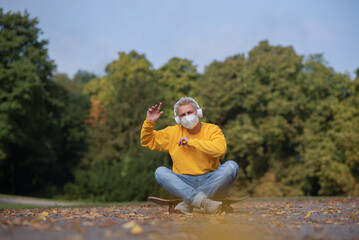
136 230
308 215
279 224
276 212
129 224
42 216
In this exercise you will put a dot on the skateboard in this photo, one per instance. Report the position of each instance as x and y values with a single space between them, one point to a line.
171 203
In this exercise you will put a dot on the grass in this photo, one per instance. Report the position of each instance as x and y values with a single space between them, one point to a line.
80 205
69 204
17 206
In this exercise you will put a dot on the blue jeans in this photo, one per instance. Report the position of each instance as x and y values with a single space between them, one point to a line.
193 189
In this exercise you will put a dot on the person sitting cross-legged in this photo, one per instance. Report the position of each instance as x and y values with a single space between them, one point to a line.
195 148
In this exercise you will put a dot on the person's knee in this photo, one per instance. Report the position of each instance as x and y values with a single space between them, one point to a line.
160 173
233 168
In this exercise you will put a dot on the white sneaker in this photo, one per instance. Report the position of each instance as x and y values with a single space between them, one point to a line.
184 208
211 206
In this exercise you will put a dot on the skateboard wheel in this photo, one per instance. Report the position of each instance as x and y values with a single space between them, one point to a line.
227 209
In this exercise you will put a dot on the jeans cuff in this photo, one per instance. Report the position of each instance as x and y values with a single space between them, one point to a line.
198 199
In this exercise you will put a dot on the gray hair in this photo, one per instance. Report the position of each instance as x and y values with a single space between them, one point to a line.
184 101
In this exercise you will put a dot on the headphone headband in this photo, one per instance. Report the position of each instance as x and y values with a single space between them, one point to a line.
198 109
189 98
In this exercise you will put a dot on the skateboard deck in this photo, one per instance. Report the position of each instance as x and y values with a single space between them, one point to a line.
171 203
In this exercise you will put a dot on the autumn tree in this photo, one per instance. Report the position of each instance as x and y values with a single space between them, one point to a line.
117 167
329 142
283 119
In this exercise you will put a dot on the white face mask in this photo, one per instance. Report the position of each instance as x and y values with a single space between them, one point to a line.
190 121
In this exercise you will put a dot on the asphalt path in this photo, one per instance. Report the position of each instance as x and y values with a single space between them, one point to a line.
251 219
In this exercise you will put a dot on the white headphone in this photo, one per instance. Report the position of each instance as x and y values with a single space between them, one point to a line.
198 108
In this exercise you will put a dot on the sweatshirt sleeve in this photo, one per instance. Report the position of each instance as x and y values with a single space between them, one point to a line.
215 147
154 140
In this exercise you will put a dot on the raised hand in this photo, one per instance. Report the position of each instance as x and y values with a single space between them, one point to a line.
154 112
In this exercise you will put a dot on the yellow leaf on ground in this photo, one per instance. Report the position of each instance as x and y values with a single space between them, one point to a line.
308 215
54 211
279 224
129 224
42 216
136 230
277 213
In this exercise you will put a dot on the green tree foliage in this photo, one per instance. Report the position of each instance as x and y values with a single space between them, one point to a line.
28 111
116 167
291 123
330 141
286 122
176 79
74 130
253 101
38 136
82 77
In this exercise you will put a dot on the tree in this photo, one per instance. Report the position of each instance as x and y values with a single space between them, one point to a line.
115 158
252 99
29 111
82 77
42 117
286 122
74 130
176 79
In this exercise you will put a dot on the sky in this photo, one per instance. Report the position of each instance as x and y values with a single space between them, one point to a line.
88 34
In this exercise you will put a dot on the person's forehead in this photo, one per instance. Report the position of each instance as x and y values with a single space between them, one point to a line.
185 108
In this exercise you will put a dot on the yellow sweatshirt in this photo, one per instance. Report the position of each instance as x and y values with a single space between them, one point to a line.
200 156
